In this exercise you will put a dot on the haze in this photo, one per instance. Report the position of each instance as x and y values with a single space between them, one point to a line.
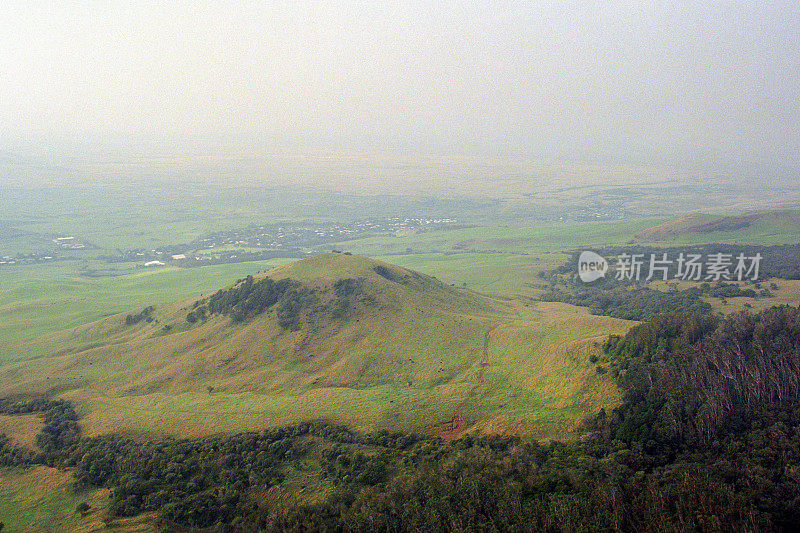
672 84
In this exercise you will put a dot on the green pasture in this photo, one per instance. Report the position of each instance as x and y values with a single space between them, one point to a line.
36 300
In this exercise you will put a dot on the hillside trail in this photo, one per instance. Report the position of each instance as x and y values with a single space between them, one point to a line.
452 429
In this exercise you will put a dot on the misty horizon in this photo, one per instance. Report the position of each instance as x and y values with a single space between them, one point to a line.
710 88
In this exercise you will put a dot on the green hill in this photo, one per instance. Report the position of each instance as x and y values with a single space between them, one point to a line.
767 227
334 336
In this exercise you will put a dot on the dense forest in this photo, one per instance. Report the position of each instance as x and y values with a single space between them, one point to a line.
706 439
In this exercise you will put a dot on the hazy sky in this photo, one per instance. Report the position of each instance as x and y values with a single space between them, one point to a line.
662 81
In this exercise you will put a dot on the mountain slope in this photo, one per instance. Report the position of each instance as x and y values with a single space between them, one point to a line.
346 338
766 227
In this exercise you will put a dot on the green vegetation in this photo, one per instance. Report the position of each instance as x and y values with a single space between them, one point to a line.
704 440
246 299
499 273
689 379
502 239
40 498
424 373
145 314
779 261
608 297
38 301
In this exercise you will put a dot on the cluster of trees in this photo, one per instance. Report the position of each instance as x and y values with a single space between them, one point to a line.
621 300
349 292
687 378
60 430
387 273
198 482
145 314
632 299
721 289
707 439
246 299
195 483
290 299
609 297
777 261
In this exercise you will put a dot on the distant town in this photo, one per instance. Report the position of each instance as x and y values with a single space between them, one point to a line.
270 241
252 243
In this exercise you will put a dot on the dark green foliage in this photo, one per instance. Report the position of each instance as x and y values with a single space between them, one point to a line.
291 305
689 378
778 261
728 290
11 455
201 482
633 300
348 293
387 273
145 314
60 431
347 287
245 300
288 298
609 297
249 298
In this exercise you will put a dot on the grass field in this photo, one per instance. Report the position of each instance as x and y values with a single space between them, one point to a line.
530 239
49 310
476 354
538 381
43 499
501 273
770 227
37 301
22 429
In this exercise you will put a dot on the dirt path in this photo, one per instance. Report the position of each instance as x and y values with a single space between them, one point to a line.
451 429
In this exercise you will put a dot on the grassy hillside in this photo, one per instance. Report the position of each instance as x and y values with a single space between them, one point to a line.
769 227
34 499
412 353
40 300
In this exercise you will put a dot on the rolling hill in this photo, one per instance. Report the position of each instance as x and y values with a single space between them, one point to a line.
335 336
762 227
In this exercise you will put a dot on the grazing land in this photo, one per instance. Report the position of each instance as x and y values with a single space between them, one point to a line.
36 498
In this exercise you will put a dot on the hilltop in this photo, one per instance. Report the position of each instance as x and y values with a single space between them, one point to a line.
335 336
